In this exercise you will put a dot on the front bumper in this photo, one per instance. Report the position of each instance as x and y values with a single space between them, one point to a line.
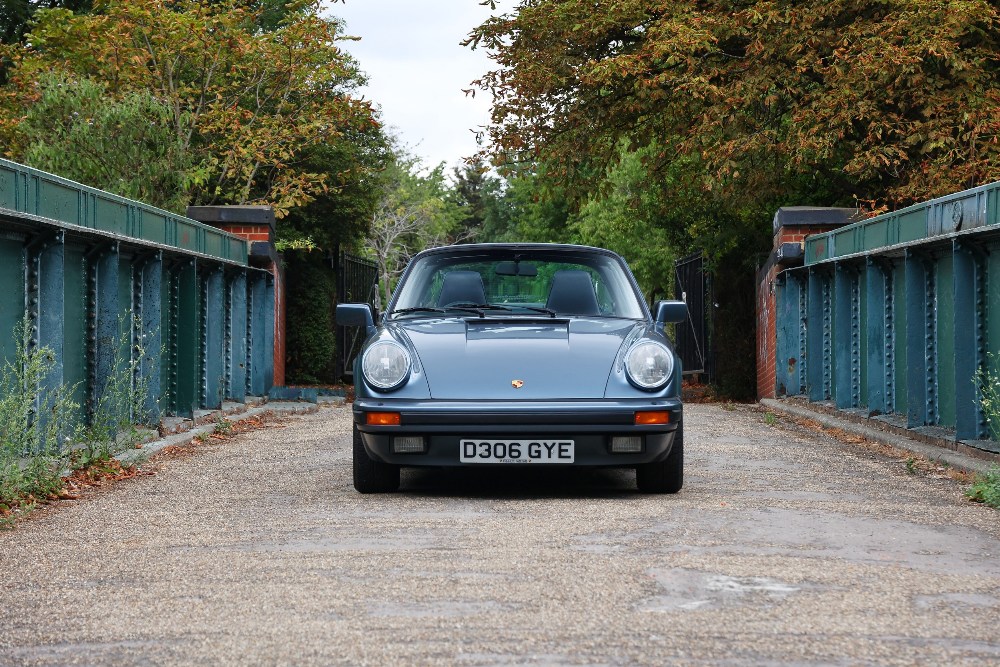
590 424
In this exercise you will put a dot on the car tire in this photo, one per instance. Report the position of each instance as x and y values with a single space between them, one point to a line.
372 476
665 476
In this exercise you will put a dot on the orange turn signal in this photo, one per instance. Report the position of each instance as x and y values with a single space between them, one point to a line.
382 418
652 417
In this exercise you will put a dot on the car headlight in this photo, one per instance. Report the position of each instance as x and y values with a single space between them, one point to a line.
649 365
386 365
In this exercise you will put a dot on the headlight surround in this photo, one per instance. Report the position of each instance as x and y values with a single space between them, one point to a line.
386 365
649 365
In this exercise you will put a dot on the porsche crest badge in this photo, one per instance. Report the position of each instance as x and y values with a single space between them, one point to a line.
517 384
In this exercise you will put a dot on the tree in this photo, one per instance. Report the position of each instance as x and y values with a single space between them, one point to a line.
626 219
15 15
124 145
525 207
413 214
354 163
246 103
471 188
812 102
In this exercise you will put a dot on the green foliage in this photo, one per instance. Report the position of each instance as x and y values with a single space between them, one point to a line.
310 338
892 101
127 145
39 432
415 211
35 422
251 87
986 488
354 163
15 15
625 218
987 382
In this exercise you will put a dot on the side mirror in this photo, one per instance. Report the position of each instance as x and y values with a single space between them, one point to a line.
670 311
355 315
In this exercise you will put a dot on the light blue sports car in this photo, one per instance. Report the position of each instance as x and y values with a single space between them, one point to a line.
517 354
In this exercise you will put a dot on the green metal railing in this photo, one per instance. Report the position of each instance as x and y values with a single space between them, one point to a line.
87 267
894 315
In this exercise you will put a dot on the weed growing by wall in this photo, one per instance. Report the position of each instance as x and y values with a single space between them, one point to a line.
988 386
36 422
40 435
118 405
986 488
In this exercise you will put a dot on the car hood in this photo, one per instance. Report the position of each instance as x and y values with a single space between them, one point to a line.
484 359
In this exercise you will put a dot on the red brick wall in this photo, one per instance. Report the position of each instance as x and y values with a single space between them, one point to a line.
766 336
249 232
279 324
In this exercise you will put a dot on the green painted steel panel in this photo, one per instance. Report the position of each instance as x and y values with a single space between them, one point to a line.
111 216
153 227
899 343
214 338
188 340
969 307
186 235
962 211
8 188
817 248
28 190
863 329
167 335
876 235
12 294
57 201
149 277
946 340
75 317
239 250
993 302
237 338
912 226
215 244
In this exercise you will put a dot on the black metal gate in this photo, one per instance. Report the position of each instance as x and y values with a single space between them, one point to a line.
693 285
357 282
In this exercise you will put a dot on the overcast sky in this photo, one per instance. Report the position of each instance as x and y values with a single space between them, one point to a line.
417 70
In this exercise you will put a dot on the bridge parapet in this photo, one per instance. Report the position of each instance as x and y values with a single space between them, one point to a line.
89 269
892 317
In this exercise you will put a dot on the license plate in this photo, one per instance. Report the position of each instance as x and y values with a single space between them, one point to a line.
516 451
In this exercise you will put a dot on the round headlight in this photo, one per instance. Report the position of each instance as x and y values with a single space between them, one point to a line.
649 365
386 365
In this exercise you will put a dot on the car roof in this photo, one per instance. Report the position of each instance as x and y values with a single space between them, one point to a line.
465 248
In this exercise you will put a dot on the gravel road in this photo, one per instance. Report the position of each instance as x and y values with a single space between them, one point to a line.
784 548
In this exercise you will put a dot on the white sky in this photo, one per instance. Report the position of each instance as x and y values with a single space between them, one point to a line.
417 70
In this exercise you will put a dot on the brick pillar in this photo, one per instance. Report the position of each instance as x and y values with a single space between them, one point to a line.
792 224
256 225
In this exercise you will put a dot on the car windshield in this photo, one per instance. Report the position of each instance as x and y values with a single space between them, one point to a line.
518 282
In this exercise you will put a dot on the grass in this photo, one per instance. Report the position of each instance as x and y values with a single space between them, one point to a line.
985 488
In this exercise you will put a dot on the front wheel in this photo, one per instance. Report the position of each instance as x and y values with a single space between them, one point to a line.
371 476
665 476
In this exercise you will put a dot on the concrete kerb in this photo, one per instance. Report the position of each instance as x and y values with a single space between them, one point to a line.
179 430
942 452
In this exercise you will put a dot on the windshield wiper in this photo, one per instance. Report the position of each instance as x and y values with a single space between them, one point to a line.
417 309
474 308
546 311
